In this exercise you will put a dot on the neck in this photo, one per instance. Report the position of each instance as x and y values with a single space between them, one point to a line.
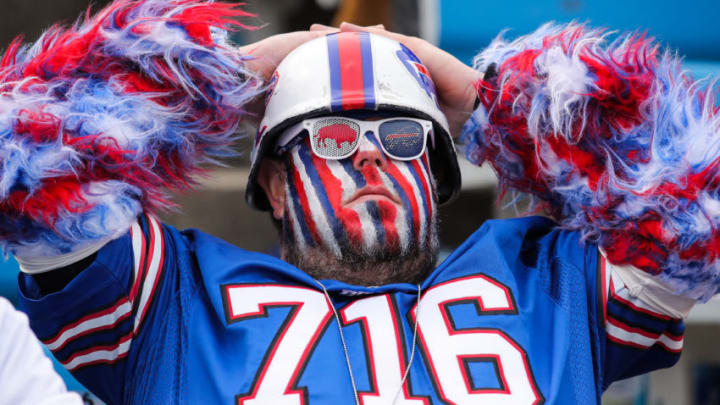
359 269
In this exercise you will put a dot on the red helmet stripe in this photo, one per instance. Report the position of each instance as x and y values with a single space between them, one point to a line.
351 77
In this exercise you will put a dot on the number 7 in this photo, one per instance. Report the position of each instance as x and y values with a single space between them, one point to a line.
292 344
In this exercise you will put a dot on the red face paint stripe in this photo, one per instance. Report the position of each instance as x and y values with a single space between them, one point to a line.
351 72
334 188
407 188
371 175
388 213
305 205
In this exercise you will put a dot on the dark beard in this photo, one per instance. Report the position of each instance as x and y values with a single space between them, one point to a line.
364 268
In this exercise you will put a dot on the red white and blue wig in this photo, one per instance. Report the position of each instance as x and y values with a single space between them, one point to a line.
614 139
98 121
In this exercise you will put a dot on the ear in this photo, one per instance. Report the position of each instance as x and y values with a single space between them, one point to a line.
271 178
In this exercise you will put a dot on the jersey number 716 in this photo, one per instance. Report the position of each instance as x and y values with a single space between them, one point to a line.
447 349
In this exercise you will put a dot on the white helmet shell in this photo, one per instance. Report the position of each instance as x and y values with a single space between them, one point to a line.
352 71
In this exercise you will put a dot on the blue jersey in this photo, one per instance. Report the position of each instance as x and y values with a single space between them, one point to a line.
521 313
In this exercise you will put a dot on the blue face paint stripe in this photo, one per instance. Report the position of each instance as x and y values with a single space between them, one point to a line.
299 212
374 212
372 138
337 227
335 81
357 177
367 68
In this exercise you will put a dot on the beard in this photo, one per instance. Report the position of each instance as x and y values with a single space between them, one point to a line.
365 265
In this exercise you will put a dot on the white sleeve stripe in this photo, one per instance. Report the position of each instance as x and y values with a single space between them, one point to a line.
154 270
99 321
633 329
670 343
139 246
99 354
605 287
624 334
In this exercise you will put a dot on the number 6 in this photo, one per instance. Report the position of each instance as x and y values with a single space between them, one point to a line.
448 348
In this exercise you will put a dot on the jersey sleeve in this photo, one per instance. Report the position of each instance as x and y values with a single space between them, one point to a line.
612 332
638 336
93 325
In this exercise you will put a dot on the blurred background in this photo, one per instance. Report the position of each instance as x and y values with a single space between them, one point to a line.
462 28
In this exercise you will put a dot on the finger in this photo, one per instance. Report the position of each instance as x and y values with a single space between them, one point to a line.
322 27
375 29
346 26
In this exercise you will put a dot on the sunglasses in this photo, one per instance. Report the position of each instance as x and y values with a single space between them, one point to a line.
337 138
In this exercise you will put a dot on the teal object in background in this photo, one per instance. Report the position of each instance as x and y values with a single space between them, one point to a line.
466 27
8 279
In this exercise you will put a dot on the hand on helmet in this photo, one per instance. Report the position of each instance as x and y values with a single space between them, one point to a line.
453 79
268 52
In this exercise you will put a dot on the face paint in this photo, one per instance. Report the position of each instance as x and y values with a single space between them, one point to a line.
386 208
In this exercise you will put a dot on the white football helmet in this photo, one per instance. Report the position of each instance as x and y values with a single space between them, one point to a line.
349 71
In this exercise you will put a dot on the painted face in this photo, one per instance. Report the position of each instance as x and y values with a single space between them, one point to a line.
368 202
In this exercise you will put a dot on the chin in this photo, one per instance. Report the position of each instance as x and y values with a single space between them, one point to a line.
371 264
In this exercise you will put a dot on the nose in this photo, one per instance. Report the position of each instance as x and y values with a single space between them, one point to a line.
369 153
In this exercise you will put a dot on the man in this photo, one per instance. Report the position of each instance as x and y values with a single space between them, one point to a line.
352 157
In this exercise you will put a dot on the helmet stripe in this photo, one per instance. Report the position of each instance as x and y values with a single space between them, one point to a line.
351 76
335 85
351 71
368 73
